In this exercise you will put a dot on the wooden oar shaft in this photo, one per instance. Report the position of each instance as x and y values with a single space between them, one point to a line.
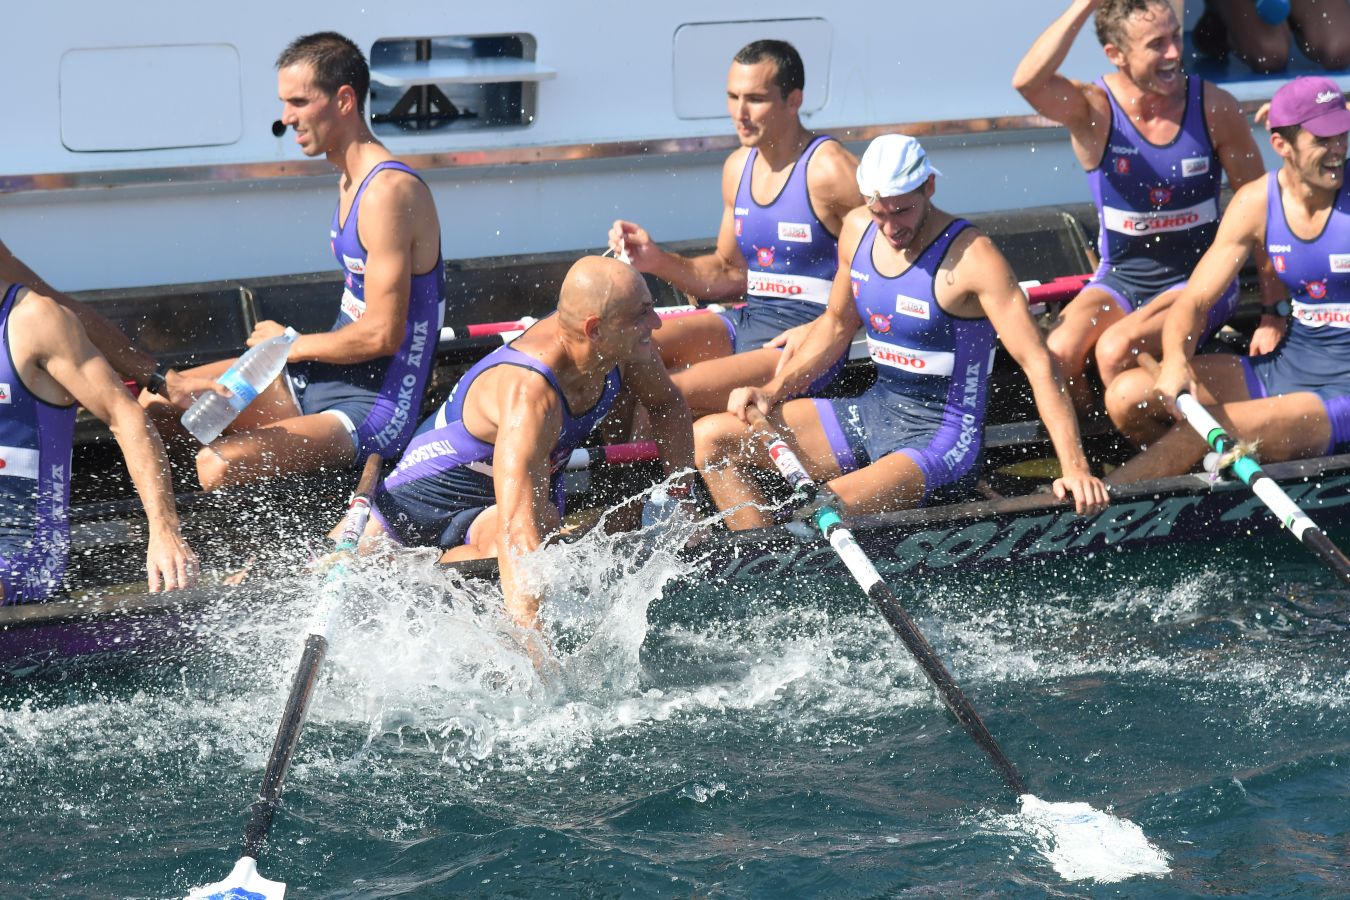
869 579
307 673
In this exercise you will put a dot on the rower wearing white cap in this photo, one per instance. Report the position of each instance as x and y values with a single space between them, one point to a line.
785 193
934 294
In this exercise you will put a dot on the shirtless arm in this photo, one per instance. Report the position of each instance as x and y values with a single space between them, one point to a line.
67 355
671 424
529 423
125 359
982 271
1074 104
719 275
391 209
1241 231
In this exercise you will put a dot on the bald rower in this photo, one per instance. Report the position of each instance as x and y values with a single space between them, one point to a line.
481 476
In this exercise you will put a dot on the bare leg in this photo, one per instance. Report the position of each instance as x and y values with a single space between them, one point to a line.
1323 31
1293 426
684 341
730 456
707 385
1120 344
1080 324
1140 415
291 446
1263 47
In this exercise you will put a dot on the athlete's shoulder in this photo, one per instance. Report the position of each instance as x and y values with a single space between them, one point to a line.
854 227
833 167
1221 105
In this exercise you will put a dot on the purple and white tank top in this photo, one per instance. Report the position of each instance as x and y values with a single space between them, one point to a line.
1157 204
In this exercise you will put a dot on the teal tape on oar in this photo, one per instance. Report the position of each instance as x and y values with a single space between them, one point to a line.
244 880
1249 471
832 527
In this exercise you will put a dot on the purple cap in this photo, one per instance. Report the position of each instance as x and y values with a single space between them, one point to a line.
1315 103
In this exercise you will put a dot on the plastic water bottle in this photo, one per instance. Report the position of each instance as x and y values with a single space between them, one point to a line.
211 413
1272 12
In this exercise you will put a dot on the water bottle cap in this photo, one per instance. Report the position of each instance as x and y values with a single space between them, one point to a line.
291 333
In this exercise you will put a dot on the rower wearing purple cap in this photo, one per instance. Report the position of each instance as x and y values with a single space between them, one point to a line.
785 193
1152 141
934 294
1296 399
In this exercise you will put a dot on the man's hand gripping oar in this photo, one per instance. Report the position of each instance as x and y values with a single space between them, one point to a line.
244 880
1236 457
831 526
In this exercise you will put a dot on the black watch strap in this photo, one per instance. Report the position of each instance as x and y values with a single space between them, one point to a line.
157 383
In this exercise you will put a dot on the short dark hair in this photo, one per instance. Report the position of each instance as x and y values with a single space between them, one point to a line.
791 75
1112 15
336 61
1288 132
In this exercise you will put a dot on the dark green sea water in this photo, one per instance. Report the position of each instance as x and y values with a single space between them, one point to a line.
768 740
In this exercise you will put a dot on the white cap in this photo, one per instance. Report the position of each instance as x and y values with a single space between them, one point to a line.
894 164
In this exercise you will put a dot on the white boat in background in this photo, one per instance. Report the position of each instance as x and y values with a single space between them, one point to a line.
143 148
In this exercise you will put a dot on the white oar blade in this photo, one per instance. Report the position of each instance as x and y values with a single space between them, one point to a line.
244 883
1084 843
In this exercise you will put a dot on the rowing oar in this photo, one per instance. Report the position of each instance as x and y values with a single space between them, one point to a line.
244 880
860 567
1246 468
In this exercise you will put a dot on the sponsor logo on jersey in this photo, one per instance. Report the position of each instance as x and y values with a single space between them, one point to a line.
859 276
1134 223
1122 165
1279 248
878 321
1278 261
5 393
1321 315
740 226
918 362
1340 262
764 256
853 283
1196 165
429 450
788 287
19 462
354 265
1124 150
352 306
741 211
1160 195
912 306
797 232
1317 289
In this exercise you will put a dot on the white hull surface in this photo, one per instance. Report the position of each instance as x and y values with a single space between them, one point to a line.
140 148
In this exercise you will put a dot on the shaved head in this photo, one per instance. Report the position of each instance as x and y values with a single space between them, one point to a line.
601 287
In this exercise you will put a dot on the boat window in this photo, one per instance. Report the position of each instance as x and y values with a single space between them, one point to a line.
703 52
454 83
150 98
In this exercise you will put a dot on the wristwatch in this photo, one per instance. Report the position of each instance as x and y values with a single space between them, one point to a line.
157 383
1281 309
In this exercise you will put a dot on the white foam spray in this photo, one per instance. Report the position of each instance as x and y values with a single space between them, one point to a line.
1084 843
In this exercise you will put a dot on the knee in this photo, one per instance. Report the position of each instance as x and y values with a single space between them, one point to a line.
212 469
716 439
1329 50
1128 398
1115 354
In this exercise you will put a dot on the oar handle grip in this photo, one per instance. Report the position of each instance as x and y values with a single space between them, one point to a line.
789 466
358 510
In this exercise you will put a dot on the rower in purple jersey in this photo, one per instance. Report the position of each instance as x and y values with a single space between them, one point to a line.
933 295
443 482
356 388
1296 399
479 479
785 193
1152 141
47 368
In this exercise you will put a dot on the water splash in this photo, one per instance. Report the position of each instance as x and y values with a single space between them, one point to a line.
1084 843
